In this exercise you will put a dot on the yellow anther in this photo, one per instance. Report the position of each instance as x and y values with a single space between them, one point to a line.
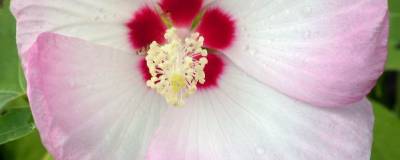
177 66
177 82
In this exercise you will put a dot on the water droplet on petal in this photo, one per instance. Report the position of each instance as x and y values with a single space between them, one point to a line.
272 17
309 10
307 34
243 29
247 47
260 151
286 11
265 66
251 51
72 83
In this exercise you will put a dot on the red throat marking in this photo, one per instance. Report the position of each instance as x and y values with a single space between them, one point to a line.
182 12
216 26
146 27
213 70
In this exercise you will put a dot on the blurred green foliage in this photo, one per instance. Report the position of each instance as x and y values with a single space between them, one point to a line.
14 106
20 141
386 134
394 40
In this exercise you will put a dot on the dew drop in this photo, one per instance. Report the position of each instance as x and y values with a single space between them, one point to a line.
72 83
260 151
268 27
308 10
102 10
265 66
268 42
307 34
252 51
97 18
286 11
247 47
90 86
99 76
244 29
272 17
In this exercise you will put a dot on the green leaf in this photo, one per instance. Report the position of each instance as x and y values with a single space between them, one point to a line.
47 156
9 61
15 123
11 99
15 116
21 79
27 148
393 62
19 102
394 10
386 144
394 6
6 97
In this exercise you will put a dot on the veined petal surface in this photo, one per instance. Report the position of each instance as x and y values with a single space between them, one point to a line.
328 53
246 120
98 21
89 101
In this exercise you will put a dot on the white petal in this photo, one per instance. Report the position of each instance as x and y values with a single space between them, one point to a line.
89 101
99 21
324 52
246 120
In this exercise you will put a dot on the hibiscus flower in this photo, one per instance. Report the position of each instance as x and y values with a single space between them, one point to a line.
202 80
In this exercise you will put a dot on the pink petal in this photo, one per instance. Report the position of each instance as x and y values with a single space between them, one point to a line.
182 12
89 101
327 53
246 120
98 21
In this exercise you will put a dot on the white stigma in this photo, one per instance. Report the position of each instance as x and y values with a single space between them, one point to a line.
177 66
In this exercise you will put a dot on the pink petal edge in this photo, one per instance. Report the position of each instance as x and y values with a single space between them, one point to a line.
83 95
327 53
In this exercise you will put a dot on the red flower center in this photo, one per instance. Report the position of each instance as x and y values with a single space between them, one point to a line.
216 26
